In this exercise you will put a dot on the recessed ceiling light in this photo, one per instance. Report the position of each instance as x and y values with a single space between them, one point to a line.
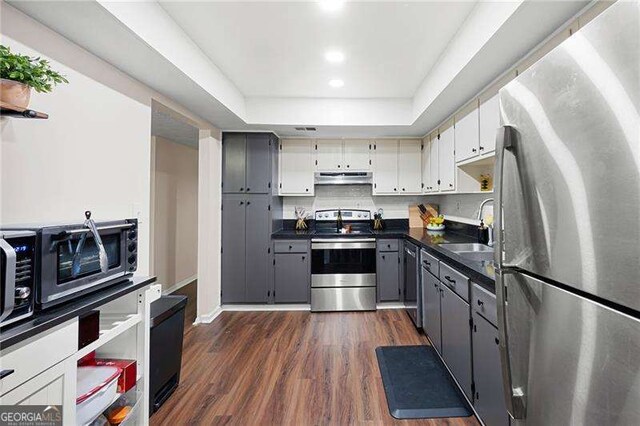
334 56
336 82
331 5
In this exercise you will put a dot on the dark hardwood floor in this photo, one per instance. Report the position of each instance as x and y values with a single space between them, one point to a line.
289 368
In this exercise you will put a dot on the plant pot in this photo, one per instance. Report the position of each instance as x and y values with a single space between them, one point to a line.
14 93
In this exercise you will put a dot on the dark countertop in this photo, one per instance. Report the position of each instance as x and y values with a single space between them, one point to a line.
478 271
45 320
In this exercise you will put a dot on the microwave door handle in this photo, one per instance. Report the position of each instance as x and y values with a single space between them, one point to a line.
9 279
102 253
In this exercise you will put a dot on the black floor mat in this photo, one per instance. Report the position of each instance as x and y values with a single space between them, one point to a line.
418 385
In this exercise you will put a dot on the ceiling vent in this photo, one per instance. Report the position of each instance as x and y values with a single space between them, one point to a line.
305 129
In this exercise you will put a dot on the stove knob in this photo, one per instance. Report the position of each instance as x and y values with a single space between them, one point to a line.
22 293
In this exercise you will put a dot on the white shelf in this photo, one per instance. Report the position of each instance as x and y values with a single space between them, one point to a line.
111 326
484 159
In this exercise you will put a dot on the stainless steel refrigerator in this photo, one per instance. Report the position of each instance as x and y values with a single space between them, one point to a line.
568 229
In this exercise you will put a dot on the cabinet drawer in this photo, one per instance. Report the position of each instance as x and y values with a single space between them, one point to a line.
387 245
429 262
484 303
454 280
29 358
291 246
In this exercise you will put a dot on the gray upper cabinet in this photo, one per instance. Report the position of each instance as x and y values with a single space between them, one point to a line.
258 169
292 277
246 163
233 248
234 163
456 337
431 308
388 269
258 249
489 400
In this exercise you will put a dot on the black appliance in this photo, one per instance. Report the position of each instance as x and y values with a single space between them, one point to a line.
17 268
70 261
165 352
412 290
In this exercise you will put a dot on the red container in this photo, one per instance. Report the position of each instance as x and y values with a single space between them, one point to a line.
128 377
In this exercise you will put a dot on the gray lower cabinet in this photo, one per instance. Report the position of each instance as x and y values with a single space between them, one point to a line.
431 308
388 269
489 400
233 248
456 337
292 277
246 248
257 249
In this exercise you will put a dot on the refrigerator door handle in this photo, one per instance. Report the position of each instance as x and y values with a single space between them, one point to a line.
515 398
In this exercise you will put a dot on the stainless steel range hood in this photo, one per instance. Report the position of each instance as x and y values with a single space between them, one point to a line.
343 178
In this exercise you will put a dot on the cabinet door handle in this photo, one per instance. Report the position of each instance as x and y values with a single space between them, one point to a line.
448 278
338 165
482 148
248 189
480 303
383 257
248 202
241 189
307 189
473 150
5 373
303 257
290 247
427 263
395 189
241 202
347 166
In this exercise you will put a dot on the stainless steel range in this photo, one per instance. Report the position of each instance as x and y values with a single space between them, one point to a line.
343 262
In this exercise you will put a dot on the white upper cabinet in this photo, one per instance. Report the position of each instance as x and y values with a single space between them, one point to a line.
467 133
489 123
385 177
296 167
356 155
328 155
409 166
426 164
434 167
446 160
430 164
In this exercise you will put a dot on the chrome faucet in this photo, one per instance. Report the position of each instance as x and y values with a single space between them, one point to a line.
490 227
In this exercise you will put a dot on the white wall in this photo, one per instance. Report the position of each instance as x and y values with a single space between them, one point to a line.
94 150
175 216
209 225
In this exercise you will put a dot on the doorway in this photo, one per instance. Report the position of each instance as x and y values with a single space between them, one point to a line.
174 205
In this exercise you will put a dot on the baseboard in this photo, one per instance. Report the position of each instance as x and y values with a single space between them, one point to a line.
291 307
179 285
208 318
390 305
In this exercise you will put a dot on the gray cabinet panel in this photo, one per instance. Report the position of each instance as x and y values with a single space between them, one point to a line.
292 278
388 269
489 400
233 248
456 337
234 161
258 241
258 170
431 303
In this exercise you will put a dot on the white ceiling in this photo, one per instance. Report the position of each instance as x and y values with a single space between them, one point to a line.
276 49
260 66
175 129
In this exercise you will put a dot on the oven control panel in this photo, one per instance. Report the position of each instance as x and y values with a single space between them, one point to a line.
347 215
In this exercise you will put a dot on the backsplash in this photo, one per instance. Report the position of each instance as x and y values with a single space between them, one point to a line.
395 207
352 197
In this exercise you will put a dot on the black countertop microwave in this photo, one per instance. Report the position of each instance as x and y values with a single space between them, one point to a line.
17 275
68 258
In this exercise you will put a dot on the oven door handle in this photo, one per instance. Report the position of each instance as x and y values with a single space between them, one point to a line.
343 244
9 280
68 232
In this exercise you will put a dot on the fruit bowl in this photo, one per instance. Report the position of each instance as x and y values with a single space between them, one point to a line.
435 227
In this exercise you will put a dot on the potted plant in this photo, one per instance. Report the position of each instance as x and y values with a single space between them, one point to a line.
20 73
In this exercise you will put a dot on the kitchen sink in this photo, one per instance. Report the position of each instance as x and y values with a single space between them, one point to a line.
471 251
470 247
484 256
